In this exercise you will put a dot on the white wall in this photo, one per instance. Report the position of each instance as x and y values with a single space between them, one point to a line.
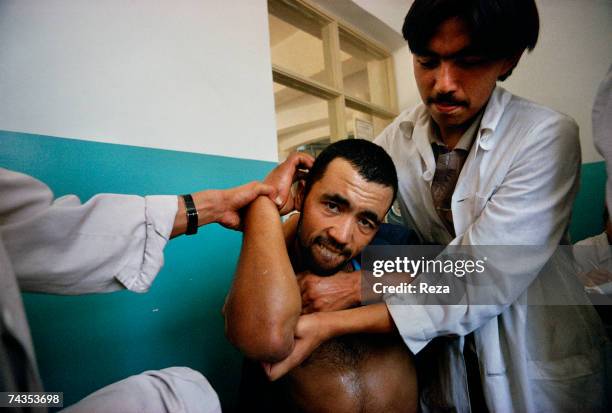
572 56
390 12
194 75
369 17
184 74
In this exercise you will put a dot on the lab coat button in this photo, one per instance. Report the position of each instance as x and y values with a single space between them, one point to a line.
428 175
484 138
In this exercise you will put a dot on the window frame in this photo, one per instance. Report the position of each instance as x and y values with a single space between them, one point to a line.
338 100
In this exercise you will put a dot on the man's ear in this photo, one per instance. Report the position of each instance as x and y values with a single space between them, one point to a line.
509 64
299 195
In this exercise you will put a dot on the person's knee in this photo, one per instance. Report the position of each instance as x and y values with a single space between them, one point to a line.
183 375
190 386
174 389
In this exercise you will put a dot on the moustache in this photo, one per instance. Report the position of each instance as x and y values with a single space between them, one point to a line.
446 100
333 245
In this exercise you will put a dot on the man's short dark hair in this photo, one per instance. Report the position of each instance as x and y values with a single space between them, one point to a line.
369 159
498 28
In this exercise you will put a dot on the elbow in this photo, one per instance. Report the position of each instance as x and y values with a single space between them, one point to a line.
274 347
270 344
265 334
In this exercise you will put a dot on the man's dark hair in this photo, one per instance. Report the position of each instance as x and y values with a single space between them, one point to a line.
498 28
369 159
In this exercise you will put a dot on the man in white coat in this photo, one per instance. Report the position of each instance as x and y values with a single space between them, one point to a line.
110 243
480 166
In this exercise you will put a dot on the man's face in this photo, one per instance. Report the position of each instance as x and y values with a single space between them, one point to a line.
340 216
453 82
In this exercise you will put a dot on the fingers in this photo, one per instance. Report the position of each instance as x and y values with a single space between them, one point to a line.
247 193
230 202
322 304
272 193
599 276
300 174
308 281
259 188
266 367
285 174
301 160
302 163
308 309
231 221
303 281
307 340
277 370
306 284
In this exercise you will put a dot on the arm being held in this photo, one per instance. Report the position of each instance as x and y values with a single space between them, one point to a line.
264 304
220 206
109 243
316 328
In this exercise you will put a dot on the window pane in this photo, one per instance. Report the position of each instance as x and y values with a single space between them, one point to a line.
364 71
363 125
296 40
300 119
314 148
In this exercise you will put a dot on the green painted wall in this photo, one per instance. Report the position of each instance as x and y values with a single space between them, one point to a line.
588 208
86 342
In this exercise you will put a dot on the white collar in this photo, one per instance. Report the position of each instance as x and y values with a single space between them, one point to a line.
490 119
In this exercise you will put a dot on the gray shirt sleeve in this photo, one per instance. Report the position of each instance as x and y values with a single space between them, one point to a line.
63 246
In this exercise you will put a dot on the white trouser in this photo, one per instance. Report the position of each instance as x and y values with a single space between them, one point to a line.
175 389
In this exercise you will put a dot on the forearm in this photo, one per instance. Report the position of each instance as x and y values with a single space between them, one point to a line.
314 329
373 318
264 302
207 204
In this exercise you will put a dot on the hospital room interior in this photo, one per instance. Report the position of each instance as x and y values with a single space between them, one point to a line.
173 97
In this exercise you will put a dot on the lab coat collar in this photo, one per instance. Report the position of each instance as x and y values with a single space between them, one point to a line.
410 118
490 119
493 112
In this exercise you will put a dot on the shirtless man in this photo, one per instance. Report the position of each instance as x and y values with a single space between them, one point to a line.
342 203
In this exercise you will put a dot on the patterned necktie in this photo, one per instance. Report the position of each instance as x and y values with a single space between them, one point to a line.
448 168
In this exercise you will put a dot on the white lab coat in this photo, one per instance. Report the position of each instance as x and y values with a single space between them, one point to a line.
516 188
61 246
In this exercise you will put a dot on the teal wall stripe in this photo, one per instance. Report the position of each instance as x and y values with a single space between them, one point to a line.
587 216
86 342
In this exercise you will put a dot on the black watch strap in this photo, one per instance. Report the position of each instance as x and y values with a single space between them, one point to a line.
192 215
